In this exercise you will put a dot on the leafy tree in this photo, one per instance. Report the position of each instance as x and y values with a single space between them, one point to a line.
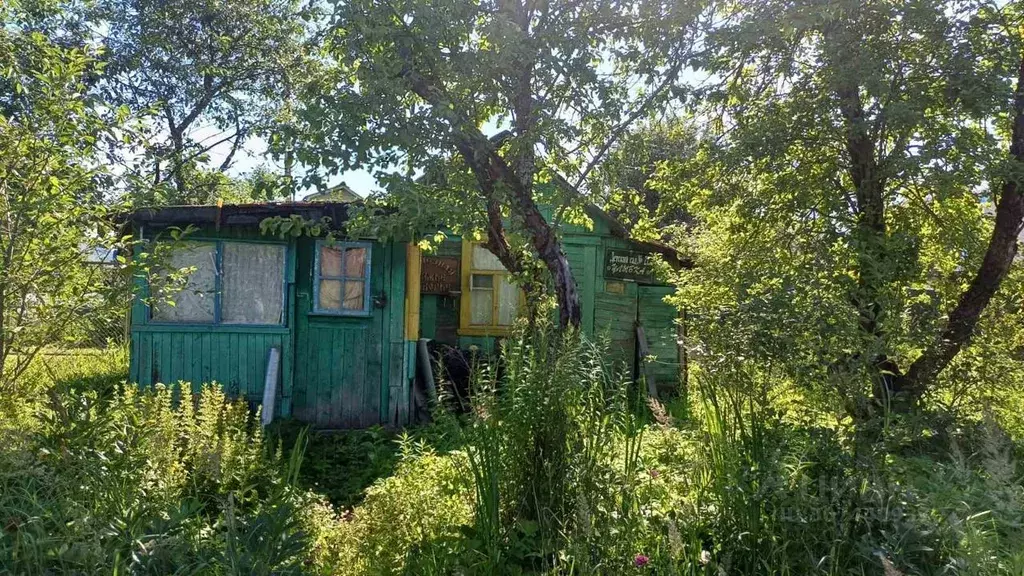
52 209
628 184
861 142
497 97
213 73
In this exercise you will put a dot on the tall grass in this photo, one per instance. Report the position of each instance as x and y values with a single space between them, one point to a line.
562 467
553 450
566 469
111 479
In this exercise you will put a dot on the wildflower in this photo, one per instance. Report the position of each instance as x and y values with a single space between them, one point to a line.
705 557
640 561
659 412
654 473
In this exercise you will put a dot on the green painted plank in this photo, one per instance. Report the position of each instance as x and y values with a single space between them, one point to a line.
254 368
348 384
209 357
313 375
240 348
300 379
588 288
398 378
193 356
257 368
382 367
325 347
428 315
212 328
133 358
370 394
145 374
288 345
179 349
162 361
340 380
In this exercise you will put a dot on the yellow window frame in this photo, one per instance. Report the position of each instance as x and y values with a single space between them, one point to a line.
465 303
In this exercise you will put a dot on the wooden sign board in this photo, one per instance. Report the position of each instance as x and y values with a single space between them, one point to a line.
440 275
629 265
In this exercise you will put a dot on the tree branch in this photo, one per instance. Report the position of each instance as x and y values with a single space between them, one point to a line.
1002 249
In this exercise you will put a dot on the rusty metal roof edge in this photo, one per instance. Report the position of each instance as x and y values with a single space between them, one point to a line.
236 214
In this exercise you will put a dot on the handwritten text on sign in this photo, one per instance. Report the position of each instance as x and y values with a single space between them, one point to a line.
629 265
439 275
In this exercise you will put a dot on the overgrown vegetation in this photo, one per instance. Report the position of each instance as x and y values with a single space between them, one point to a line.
564 471
561 468
845 178
97 476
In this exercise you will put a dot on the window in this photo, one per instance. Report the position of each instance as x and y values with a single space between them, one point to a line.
342 278
490 301
227 283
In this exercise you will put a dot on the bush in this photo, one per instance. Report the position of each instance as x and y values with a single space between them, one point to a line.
562 467
145 482
565 470
411 521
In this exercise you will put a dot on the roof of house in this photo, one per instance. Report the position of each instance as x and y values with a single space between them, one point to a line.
252 214
339 193
238 214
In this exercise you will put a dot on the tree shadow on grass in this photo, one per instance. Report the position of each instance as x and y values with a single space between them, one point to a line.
342 464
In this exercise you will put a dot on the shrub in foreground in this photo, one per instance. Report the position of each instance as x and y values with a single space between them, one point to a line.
565 471
138 482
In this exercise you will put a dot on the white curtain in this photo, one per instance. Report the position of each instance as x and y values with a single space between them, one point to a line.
194 302
253 283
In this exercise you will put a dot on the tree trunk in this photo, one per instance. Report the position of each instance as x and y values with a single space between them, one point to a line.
871 238
490 170
1002 249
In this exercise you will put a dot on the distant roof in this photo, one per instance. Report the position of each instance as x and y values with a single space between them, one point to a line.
339 193
238 214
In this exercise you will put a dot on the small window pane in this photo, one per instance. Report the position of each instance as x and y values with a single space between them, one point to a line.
330 295
253 283
481 307
354 296
330 261
508 305
355 262
483 259
483 281
193 302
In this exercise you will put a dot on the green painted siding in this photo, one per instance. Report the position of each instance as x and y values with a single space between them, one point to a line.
235 359
395 386
614 322
582 259
341 363
336 372
659 321
234 356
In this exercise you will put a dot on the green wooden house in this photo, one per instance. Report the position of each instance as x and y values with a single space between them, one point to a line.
331 329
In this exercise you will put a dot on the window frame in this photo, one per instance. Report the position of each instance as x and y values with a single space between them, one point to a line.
218 290
466 327
367 309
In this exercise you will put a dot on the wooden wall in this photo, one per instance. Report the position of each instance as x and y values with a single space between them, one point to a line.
607 315
336 372
234 358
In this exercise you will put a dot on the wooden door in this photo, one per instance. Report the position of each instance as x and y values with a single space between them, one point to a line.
659 321
338 359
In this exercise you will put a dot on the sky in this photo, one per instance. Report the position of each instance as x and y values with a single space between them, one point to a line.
253 155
